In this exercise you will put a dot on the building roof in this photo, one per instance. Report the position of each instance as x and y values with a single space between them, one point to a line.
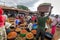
12 8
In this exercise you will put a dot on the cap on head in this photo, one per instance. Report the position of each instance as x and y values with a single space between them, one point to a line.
1 11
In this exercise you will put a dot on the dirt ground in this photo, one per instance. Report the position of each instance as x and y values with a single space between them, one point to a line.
57 34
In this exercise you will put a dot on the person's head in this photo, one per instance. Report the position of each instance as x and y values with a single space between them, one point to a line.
17 17
56 16
42 14
34 15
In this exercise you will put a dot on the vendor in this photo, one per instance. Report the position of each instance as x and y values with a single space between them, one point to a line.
41 23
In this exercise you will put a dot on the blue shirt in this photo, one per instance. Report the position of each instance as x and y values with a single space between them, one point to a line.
17 21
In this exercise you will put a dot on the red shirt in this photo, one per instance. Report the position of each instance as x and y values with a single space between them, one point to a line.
2 20
33 18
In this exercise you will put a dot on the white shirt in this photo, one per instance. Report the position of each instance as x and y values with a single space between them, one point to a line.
46 25
58 19
54 21
7 24
29 17
30 26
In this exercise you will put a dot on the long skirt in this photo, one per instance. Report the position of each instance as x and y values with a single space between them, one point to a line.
3 35
53 30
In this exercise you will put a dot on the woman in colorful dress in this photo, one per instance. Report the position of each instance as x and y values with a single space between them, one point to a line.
54 23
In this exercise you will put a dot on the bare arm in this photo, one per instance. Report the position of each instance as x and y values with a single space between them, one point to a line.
50 12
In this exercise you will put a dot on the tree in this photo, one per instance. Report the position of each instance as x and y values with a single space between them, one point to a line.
22 7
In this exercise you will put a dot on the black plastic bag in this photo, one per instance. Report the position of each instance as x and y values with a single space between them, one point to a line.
48 35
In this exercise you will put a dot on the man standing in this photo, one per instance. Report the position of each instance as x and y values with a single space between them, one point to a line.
41 24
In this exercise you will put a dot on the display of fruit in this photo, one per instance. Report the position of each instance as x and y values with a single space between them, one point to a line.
34 31
29 35
17 29
11 35
23 33
22 25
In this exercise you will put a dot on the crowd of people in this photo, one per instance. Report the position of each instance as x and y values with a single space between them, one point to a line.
31 22
40 23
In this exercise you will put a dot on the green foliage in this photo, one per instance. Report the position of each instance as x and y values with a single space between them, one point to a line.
22 7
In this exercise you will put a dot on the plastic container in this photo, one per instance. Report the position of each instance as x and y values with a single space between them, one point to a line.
48 35
22 35
34 26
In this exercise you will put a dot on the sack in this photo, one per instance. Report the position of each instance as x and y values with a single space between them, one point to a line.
48 35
